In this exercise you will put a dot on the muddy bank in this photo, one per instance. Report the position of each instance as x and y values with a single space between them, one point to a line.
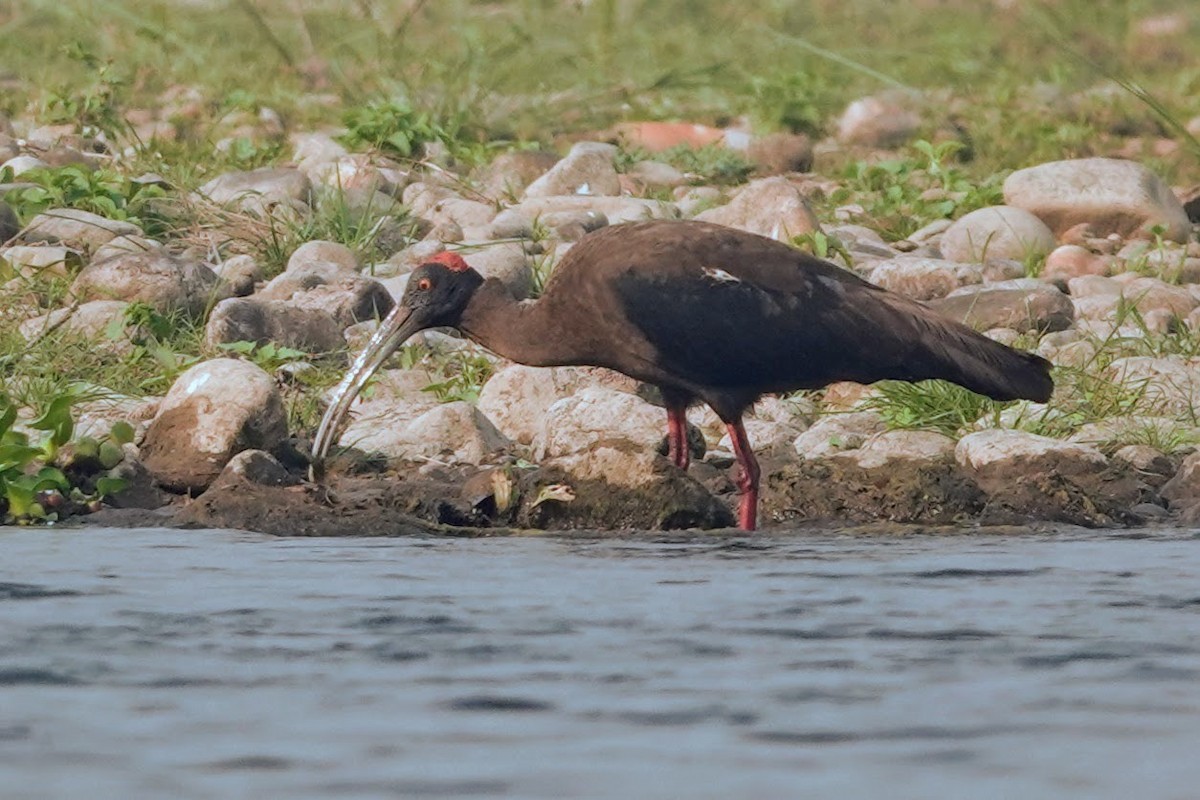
255 494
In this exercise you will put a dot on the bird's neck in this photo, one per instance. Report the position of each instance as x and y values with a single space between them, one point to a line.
520 331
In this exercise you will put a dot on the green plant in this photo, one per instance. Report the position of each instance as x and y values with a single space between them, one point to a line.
824 246
372 231
270 356
395 127
462 374
901 195
95 106
101 191
33 484
929 405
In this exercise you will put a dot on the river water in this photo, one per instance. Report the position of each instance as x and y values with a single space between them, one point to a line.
217 664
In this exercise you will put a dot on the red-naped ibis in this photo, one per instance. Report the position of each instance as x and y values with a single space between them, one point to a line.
705 313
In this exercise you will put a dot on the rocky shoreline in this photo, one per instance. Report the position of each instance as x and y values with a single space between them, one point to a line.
1093 263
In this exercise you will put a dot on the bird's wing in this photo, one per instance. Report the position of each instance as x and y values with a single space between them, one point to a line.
727 309
721 310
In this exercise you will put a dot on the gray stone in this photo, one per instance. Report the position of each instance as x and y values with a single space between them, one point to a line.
123 245
1112 195
213 411
162 281
240 274
837 433
593 416
22 164
883 120
924 278
511 223
260 190
657 174
615 209
506 177
93 320
448 433
1168 385
78 230
320 252
315 282
250 319
31 260
571 226
1183 489
898 447
587 170
771 207
516 397
997 232
777 153
1042 309
505 261
257 467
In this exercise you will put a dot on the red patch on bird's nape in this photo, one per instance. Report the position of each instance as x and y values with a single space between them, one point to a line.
451 261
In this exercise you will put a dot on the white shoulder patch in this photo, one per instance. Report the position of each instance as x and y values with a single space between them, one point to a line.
718 274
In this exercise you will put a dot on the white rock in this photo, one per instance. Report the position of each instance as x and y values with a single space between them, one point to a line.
78 230
1166 385
212 411
586 170
450 433
901 445
1112 195
517 397
996 446
31 260
997 232
316 254
924 278
883 120
838 432
615 209
771 207
595 415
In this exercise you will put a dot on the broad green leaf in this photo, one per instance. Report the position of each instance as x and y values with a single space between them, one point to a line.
17 456
108 486
122 432
111 454
8 415
57 420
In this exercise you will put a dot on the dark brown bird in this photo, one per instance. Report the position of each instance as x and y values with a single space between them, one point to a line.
705 313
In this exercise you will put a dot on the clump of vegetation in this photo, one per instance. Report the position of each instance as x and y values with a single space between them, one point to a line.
93 107
929 405
102 191
52 476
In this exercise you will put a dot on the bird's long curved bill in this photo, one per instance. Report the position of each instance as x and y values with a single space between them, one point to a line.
393 332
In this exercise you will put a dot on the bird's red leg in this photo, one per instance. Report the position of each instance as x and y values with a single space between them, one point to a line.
677 436
748 477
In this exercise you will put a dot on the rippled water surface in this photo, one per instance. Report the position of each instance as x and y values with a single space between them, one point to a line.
213 664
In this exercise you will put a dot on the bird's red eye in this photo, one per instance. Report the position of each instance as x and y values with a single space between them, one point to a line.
424 284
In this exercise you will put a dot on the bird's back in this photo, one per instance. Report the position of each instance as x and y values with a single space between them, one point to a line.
713 309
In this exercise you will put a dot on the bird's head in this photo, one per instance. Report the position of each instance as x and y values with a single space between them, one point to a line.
436 294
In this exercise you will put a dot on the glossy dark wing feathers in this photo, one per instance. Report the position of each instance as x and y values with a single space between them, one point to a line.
733 312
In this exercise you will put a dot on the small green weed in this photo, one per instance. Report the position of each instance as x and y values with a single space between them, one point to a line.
901 195
929 405
33 484
101 191
270 356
